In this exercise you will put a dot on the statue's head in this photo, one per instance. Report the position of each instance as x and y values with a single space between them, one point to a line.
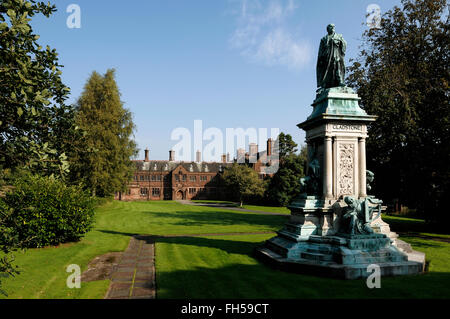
350 201
330 29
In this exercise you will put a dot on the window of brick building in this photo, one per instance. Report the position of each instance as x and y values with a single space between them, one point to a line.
136 178
184 178
177 178
192 190
141 178
153 178
144 191
146 177
158 178
156 191
193 178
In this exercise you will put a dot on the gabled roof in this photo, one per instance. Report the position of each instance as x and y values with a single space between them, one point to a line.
167 166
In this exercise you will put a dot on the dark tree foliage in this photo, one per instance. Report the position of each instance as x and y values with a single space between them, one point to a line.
285 146
36 127
402 76
243 182
285 184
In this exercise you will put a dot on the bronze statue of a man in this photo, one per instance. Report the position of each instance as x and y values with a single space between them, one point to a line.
330 63
359 214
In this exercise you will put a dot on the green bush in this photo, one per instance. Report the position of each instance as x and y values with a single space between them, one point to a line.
47 212
8 244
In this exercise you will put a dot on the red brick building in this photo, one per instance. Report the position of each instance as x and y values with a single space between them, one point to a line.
172 180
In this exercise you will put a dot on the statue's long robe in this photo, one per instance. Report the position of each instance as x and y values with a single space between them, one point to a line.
330 63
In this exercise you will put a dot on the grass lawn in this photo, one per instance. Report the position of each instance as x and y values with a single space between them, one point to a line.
43 271
222 267
270 209
210 266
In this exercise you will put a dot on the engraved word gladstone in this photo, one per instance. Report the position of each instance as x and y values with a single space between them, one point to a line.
347 127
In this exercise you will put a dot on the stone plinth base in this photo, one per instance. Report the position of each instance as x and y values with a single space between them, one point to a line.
331 270
336 256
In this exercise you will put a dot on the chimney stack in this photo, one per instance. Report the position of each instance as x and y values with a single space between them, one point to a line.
240 156
199 157
171 156
224 158
146 155
269 147
253 152
228 158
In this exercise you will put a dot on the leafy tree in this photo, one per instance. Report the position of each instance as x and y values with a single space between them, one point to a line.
101 158
36 126
32 94
243 182
285 146
285 184
402 76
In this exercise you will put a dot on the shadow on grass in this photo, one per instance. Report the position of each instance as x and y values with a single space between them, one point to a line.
241 280
261 282
420 244
400 225
192 218
422 236
113 232
229 246
216 203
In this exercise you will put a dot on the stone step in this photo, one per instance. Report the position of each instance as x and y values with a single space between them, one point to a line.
316 256
319 250
378 260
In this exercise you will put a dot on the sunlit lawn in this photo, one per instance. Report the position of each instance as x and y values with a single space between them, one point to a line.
43 271
270 209
210 266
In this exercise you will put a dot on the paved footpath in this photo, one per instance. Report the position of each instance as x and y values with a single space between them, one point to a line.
134 276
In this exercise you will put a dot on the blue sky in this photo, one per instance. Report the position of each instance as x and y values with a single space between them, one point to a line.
229 63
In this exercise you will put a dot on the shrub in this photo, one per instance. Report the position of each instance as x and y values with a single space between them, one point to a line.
8 244
47 212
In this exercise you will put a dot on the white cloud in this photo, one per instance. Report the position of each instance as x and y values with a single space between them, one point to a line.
263 36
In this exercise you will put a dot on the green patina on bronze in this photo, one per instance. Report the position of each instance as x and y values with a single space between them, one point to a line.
337 101
330 62
358 215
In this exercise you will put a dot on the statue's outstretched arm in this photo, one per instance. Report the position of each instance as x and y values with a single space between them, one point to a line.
374 200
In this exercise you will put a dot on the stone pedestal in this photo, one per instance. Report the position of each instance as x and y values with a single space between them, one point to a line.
336 133
337 128
337 256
